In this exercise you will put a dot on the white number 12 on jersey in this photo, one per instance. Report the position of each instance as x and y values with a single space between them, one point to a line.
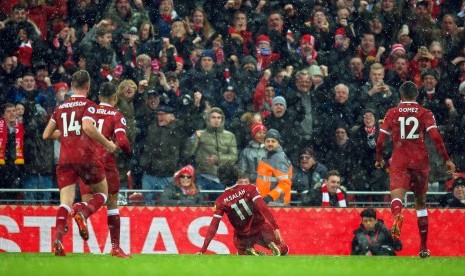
407 122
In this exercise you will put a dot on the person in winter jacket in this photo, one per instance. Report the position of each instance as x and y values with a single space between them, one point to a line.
373 237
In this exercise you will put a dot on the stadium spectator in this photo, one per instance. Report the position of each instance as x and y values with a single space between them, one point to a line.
338 111
329 193
77 158
376 94
407 124
288 124
10 27
309 174
11 152
364 176
232 106
161 150
255 151
274 173
10 72
41 14
211 147
373 238
340 154
253 222
126 91
456 198
38 153
111 124
182 191
125 16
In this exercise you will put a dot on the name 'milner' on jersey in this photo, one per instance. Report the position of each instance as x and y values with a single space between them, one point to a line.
238 204
75 145
407 124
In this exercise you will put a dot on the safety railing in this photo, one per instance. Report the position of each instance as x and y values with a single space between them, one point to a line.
17 197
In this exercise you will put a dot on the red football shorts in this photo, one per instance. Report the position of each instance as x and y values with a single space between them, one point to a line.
90 173
112 181
410 179
262 238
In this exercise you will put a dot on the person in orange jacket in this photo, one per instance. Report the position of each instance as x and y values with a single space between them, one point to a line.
274 172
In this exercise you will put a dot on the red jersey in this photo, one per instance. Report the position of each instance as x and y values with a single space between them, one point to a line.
111 123
407 124
238 202
75 145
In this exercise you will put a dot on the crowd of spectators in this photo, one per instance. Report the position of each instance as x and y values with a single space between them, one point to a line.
198 80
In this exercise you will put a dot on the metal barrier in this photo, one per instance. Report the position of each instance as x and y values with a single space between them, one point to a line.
408 200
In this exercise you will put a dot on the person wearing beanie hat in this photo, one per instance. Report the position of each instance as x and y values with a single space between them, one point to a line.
456 198
273 134
279 100
182 191
372 237
306 50
397 50
263 228
209 54
315 70
274 173
253 152
61 85
265 54
211 147
248 60
430 72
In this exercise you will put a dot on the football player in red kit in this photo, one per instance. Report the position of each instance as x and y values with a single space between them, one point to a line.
407 124
73 123
111 123
249 215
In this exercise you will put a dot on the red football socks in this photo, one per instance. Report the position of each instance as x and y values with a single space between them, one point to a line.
94 204
422 221
396 206
61 221
113 220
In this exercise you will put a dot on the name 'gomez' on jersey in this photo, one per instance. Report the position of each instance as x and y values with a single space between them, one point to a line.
407 124
75 145
238 204
111 123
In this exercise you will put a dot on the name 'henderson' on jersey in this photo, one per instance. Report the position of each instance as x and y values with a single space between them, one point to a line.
407 125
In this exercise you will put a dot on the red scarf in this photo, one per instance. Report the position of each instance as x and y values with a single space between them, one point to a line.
370 129
19 142
325 195
167 18
246 38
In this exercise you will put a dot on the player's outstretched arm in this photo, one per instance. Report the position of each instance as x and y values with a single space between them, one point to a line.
210 233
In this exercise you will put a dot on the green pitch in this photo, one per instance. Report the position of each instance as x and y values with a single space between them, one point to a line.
100 265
